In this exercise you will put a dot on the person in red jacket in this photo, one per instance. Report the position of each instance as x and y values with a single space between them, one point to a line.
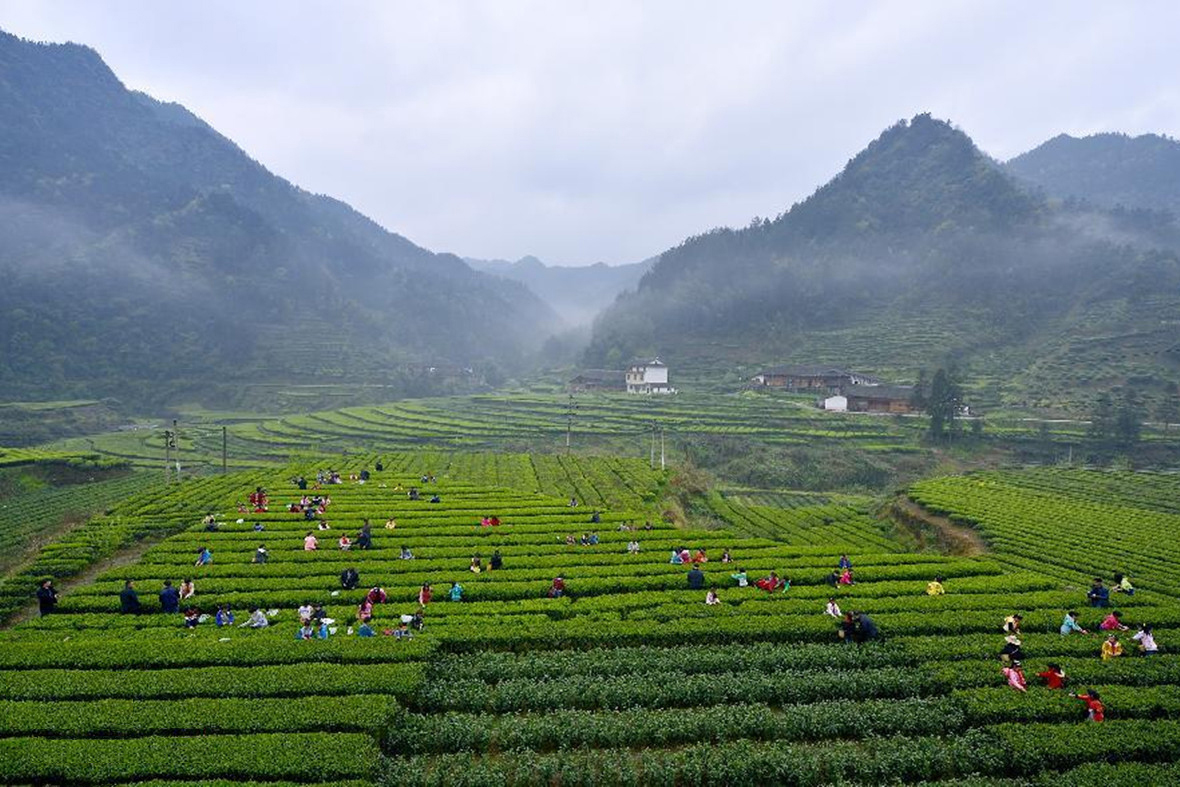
376 595
1095 710
1054 677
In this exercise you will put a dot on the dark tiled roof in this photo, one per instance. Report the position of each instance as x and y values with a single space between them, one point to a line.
600 375
805 371
890 392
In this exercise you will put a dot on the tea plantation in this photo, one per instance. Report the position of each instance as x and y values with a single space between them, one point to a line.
627 677
537 422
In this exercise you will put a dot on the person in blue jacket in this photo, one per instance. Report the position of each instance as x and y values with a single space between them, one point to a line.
129 599
1099 594
169 597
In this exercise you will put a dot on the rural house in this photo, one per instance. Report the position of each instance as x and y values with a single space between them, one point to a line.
810 379
879 398
598 380
648 377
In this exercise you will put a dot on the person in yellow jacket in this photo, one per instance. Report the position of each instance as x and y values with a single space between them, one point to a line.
1111 648
935 588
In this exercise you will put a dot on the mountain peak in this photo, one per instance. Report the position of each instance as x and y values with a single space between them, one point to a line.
918 174
145 203
1107 169
22 59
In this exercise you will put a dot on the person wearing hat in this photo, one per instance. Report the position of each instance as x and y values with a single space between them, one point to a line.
1011 652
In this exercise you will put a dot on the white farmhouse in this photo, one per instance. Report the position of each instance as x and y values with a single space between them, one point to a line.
648 377
837 404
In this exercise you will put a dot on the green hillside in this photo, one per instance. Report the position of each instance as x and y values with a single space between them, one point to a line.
1113 170
920 253
148 258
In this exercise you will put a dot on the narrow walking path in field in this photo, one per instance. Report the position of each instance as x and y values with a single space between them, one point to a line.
123 557
952 538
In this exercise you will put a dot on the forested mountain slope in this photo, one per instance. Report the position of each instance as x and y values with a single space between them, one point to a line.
1109 170
147 257
921 251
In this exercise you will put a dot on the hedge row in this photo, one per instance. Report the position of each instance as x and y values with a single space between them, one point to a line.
124 718
1004 750
314 756
1001 704
242 651
668 689
492 667
1037 746
587 633
568 729
296 680
880 761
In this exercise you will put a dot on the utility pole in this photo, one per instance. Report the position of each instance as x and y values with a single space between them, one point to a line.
167 456
569 423
653 445
224 468
176 445
661 448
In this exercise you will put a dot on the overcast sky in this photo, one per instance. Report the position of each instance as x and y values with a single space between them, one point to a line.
599 130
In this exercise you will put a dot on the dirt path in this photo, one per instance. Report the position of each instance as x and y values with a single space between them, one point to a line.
951 538
34 544
124 557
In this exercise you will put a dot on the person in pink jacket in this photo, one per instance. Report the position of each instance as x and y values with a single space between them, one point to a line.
1015 676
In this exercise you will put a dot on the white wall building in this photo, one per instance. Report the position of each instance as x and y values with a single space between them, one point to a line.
837 404
648 377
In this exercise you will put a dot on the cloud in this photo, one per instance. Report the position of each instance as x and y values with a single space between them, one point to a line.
609 130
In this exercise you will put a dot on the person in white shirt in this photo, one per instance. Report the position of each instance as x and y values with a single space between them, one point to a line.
257 620
833 609
1146 641
711 598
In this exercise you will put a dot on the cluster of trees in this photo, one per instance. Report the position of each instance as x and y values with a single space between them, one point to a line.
1116 427
942 399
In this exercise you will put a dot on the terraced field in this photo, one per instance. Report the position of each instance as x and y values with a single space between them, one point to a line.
611 424
24 456
605 424
26 518
1076 524
627 678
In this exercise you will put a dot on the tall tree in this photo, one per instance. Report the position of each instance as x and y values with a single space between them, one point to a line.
1167 411
944 403
1102 422
919 398
1128 421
